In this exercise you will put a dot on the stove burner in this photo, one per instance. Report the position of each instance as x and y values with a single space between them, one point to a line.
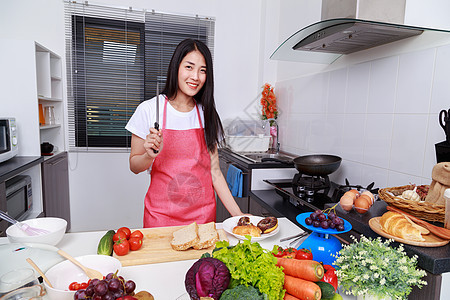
310 185
340 190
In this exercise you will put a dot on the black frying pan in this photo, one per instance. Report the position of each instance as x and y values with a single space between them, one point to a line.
317 164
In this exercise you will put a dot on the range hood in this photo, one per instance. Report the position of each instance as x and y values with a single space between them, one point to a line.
325 41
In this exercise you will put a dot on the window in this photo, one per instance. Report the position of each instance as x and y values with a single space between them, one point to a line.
115 59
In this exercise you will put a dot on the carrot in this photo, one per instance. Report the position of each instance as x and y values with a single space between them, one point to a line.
302 289
289 297
305 269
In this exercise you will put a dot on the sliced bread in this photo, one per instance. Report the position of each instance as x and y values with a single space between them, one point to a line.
208 236
185 237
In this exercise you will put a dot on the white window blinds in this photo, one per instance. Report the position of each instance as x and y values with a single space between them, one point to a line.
115 57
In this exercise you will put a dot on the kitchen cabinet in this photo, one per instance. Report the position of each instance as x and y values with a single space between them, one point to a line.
55 182
50 96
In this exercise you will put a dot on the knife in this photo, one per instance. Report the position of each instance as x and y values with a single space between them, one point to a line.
156 125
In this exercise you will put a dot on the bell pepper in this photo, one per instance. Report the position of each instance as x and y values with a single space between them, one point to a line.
330 276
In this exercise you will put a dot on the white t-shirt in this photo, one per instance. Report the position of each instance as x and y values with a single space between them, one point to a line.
145 116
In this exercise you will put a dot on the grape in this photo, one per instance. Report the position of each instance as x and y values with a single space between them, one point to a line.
308 221
94 282
318 211
89 291
109 296
130 286
332 225
114 284
321 217
340 227
324 224
79 295
97 297
331 215
313 216
316 223
101 288
110 276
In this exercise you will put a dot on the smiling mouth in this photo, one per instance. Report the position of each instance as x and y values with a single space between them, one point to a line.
192 85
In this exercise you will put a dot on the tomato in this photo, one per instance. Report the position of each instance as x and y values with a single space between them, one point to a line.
278 252
289 252
304 254
121 247
83 285
137 234
126 230
119 235
135 243
74 286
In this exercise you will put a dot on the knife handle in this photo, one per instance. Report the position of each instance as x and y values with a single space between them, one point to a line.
156 125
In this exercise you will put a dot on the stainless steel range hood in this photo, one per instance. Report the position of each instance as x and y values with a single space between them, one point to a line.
327 40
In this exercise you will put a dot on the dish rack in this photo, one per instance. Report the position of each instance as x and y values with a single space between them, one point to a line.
248 135
420 209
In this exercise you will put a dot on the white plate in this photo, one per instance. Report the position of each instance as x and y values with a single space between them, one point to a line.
230 223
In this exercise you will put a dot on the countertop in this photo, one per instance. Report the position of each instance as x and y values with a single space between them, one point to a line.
162 280
246 163
435 260
17 164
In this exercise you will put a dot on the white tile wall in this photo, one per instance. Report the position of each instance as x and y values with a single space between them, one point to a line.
380 116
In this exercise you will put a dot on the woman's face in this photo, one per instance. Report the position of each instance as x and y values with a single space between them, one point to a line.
191 74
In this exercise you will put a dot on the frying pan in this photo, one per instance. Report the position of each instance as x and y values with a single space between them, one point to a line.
317 164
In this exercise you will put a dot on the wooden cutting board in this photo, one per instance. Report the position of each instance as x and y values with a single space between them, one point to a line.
156 248
431 240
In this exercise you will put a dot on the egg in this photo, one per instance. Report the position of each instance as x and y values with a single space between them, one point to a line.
346 202
362 205
365 196
350 194
356 192
371 196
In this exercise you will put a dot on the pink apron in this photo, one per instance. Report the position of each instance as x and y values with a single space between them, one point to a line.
181 189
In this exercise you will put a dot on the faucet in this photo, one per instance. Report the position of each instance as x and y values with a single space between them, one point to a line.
277 147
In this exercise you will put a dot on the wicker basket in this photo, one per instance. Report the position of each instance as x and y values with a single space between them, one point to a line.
420 209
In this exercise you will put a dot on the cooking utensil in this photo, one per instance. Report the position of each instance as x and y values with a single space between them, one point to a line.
301 234
317 164
22 226
444 121
156 125
439 231
92 274
297 240
31 262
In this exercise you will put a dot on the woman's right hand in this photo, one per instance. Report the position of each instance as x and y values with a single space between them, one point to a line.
153 143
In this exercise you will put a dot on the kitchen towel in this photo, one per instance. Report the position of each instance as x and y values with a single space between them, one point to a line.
234 180
440 182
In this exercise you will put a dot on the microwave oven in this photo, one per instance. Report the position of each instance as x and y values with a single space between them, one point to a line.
19 197
8 139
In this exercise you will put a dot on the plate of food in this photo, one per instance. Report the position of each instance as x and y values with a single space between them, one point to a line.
259 228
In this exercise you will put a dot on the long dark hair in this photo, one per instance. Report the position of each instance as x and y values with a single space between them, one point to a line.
213 125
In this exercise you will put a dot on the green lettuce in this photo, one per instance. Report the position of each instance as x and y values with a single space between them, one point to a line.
250 264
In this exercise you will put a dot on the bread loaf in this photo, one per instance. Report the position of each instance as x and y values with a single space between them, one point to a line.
397 225
185 237
250 229
208 236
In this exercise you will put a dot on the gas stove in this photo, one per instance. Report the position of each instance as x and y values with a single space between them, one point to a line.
313 192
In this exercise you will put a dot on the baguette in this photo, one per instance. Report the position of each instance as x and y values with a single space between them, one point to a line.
397 225
208 236
185 237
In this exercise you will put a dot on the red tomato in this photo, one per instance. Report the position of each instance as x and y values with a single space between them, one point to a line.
83 285
126 230
278 252
304 254
135 243
74 286
121 247
119 235
137 234
289 252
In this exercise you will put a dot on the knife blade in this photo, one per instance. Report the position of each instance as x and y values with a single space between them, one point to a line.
156 125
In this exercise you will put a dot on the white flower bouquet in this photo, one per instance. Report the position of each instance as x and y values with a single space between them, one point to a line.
373 267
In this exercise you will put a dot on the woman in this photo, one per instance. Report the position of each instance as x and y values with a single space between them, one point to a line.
183 155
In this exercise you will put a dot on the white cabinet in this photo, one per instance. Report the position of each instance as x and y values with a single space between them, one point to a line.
50 97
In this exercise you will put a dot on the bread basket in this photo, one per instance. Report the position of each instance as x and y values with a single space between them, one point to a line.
420 209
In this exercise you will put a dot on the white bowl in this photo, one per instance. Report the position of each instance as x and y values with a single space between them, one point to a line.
55 226
63 274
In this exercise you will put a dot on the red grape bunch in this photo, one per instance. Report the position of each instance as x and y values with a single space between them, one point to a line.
110 288
320 219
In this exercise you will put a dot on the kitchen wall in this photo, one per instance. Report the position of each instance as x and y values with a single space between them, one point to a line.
377 109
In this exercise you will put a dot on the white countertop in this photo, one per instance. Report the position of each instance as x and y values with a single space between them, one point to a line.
162 280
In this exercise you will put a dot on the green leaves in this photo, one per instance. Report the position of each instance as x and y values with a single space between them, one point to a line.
250 264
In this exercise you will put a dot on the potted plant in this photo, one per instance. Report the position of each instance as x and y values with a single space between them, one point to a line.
372 269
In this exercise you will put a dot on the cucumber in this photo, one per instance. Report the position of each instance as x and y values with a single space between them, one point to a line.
105 246
327 289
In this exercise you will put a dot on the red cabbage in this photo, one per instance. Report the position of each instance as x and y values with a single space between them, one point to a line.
208 277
